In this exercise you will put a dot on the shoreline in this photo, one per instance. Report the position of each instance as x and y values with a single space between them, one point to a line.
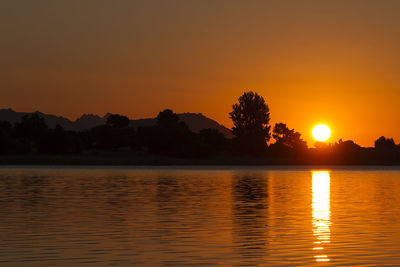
132 159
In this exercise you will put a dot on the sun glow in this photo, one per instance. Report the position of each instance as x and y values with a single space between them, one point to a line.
321 132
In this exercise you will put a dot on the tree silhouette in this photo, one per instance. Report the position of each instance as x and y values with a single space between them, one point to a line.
5 136
383 143
251 116
167 118
251 122
118 121
169 136
31 132
212 137
386 151
32 127
59 141
288 137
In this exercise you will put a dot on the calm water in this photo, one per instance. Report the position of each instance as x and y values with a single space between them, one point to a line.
199 217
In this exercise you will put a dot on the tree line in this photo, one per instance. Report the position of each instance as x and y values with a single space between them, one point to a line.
254 137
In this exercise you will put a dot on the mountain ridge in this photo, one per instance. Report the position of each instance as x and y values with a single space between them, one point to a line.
195 121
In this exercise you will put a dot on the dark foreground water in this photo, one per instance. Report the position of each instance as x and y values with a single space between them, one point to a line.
199 217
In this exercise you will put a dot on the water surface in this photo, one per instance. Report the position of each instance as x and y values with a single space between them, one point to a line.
197 216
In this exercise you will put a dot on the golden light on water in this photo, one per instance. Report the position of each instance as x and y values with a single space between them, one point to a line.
321 212
321 132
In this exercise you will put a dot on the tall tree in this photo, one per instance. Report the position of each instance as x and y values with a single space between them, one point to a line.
251 122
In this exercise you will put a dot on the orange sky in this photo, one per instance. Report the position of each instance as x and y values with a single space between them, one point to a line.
335 62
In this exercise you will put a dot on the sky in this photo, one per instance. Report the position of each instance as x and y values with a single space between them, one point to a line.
333 62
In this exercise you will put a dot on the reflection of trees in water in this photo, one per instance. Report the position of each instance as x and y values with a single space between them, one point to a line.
117 189
173 200
167 190
23 190
249 211
31 189
186 196
194 215
97 197
24 201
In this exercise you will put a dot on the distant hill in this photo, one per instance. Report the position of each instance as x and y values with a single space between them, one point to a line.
51 120
195 121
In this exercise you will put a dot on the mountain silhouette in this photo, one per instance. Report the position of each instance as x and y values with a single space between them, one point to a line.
195 121
88 121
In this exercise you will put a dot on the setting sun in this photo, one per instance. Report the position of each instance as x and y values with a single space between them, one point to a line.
321 132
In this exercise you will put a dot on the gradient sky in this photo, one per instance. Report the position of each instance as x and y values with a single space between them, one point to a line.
335 62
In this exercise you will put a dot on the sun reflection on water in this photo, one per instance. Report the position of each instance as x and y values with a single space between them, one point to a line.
321 212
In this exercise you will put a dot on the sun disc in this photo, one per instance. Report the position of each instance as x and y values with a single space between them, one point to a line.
321 132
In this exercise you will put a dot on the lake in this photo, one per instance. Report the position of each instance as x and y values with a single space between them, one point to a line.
199 216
